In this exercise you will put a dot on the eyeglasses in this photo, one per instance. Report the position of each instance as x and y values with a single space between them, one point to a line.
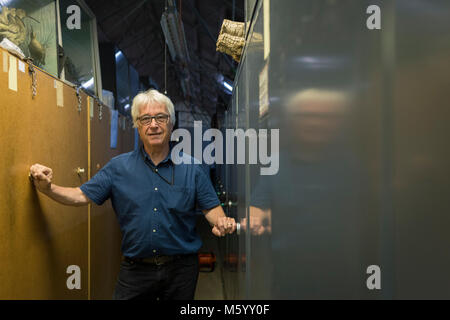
160 119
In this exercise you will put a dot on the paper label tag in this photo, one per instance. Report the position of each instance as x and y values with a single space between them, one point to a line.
12 76
5 61
59 94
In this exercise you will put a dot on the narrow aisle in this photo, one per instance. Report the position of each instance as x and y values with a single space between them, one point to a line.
210 284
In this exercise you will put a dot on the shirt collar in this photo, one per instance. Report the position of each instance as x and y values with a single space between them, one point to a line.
167 159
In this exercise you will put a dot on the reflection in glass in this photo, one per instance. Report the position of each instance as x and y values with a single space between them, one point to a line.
128 84
78 49
123 89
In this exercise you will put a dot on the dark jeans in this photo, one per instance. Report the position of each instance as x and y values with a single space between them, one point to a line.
175 280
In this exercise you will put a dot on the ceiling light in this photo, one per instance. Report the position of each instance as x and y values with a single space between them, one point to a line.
88 83
228 86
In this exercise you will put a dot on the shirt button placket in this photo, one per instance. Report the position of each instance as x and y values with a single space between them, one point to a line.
155 210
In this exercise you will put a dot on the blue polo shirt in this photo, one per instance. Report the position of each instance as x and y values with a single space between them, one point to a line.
155 217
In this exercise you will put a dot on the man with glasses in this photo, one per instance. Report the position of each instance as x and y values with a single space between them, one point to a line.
155 202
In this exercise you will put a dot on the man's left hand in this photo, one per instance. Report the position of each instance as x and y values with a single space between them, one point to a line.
224 225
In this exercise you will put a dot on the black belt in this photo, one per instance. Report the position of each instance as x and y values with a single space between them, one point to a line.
156 260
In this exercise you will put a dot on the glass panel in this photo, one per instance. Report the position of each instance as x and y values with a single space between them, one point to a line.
134 82
249 9
77 44
420 156
123 88
128 84
31 25
259 211
363 159
323 231
233 248
134 86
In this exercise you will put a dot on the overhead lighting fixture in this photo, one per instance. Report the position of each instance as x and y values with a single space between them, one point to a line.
88 83
176 42
4 2
174 34
228 86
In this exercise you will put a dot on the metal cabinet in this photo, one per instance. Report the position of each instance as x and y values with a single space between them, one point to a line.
363 162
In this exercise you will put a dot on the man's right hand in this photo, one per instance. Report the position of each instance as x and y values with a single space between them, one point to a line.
42 177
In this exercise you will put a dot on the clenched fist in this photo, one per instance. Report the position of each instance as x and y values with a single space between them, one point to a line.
224 225
42 177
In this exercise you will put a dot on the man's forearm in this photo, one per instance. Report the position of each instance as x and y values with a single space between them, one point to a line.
214 214
220 222
67 196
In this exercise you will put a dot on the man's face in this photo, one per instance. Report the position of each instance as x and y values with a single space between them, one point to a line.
317 122
154 134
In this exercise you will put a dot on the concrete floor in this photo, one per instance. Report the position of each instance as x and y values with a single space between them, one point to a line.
210 284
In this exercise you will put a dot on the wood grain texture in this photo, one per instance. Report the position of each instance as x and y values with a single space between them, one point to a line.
40 238
105 232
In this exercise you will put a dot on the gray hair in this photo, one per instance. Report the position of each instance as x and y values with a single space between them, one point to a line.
149 96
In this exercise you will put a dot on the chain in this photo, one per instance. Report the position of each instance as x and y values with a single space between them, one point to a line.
79 99
32 72
165 59
100 109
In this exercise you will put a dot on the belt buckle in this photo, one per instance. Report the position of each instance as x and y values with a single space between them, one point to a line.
158 263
